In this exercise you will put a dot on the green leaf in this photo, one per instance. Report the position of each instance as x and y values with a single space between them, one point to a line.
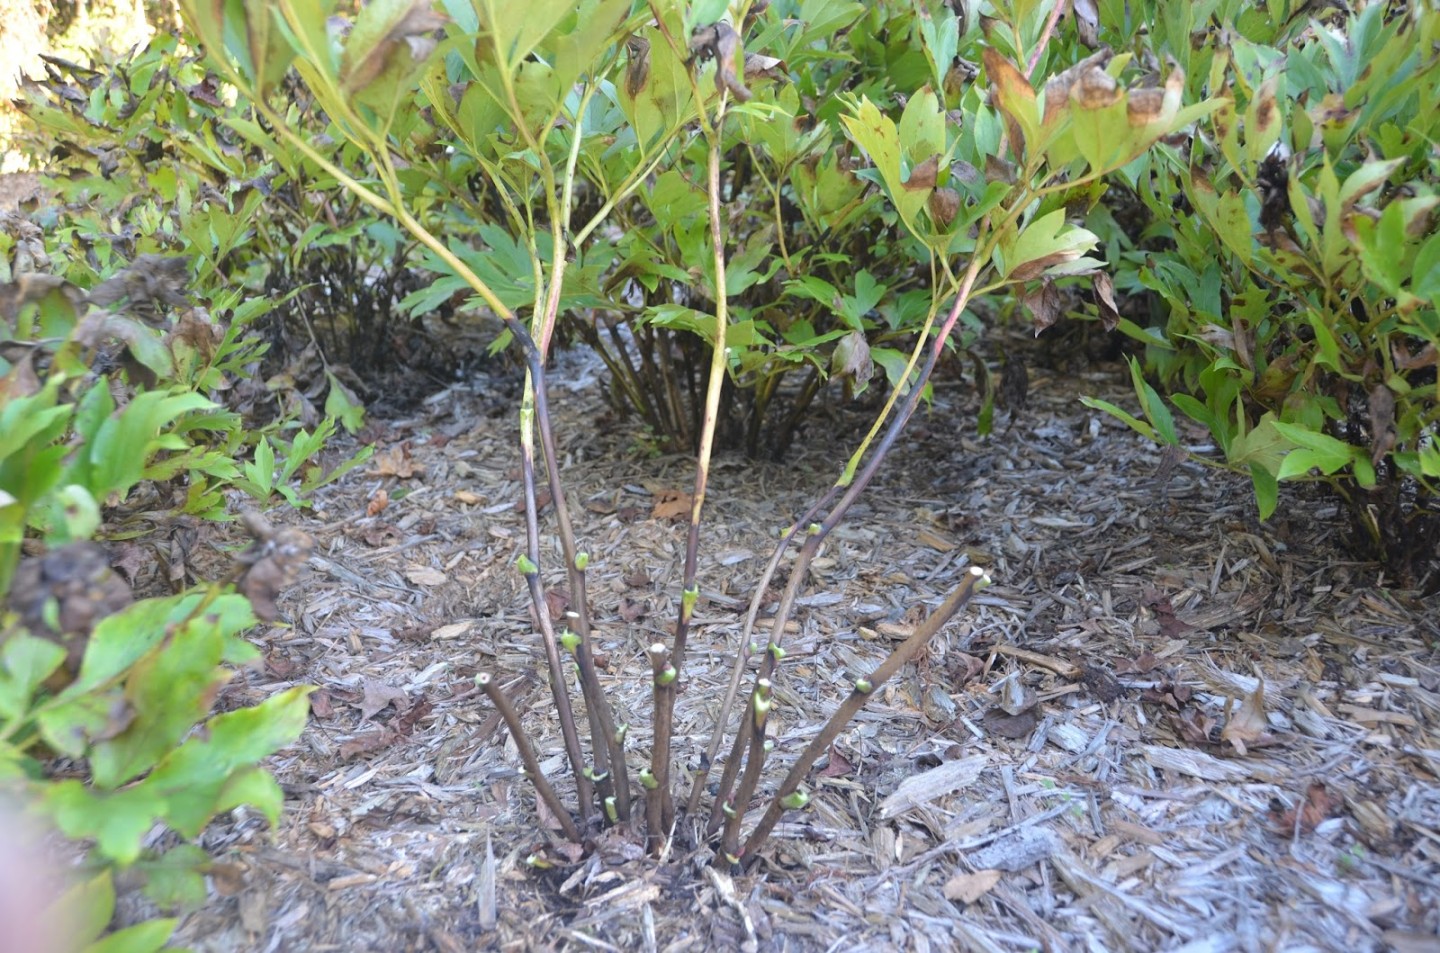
117 820
176 879
146 937
86 908
342 405
170 690
25 662
194 776
874 132
1155 410
1267 490
1138 425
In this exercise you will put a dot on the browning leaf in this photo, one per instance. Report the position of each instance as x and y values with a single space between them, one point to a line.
1059 87
944 205
1104 289
637 70
1010 91
720 42
1087 22
412 28
1045 305
923 175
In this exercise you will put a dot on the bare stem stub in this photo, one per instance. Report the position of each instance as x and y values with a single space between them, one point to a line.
789 796
486 683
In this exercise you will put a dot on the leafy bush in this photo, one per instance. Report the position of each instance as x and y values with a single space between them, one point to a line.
1302 269
125 402
113 686
602 146
148 158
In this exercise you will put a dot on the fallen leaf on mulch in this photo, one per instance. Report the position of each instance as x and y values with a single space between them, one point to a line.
377 695
1170 695
671 504
395 461
542 500
1194 726
321 705
425 576
1319 804
1248 727
837 767
967 888
1142 664
396 731
1010 726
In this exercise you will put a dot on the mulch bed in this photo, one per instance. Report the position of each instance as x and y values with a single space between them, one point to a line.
1166 726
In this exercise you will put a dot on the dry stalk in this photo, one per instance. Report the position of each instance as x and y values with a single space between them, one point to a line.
610 776
529 567
690 590
501 701
789 795
816 532
761 702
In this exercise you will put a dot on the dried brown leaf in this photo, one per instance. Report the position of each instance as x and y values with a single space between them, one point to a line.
1045 305
1104 289
1087 22
377 695
1248 725
967 888
923 176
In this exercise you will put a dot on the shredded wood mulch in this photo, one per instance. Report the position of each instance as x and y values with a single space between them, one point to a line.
1166 726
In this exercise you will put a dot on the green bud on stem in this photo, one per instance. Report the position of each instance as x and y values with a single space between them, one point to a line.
795 800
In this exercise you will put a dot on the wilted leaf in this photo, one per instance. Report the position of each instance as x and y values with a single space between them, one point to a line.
720 42
272 562
1087 22
851 358
923 175
382 27
637 67
1104 289
1044 305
